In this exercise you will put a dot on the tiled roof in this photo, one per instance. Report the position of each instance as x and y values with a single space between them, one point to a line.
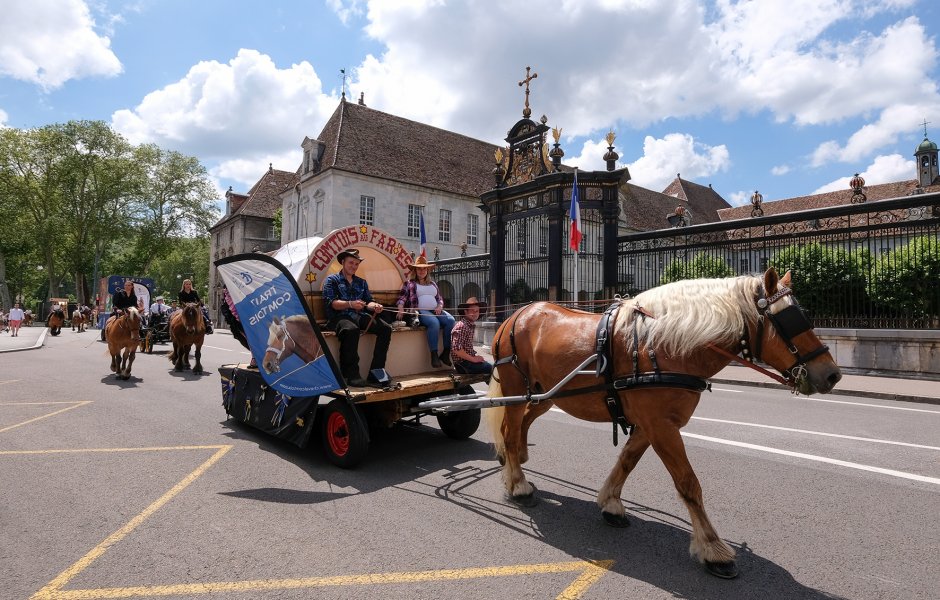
646 210
376 144
263 199
873 193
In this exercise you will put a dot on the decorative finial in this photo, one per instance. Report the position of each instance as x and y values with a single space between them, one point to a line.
499 156
556 133
857 184
756 201
611 157
926 122
611 136
527 112
556 152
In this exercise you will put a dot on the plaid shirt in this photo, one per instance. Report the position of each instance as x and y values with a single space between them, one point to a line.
337 288
462 338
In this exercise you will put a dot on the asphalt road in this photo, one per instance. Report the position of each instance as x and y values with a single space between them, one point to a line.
143 488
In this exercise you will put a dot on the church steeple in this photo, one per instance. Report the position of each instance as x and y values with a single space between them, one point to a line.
926 155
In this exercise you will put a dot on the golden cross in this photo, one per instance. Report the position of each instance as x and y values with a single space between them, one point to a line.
527 111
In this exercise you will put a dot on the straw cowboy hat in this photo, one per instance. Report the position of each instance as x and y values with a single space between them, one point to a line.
471 301
421 263
353 252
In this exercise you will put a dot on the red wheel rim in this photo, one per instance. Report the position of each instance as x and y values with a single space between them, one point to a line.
337 434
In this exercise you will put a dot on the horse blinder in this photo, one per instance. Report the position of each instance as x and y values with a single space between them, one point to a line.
788 323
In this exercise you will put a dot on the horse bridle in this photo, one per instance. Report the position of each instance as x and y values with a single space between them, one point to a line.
788 323
279 351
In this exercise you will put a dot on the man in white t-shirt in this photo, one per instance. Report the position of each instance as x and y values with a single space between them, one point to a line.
15 317
159 309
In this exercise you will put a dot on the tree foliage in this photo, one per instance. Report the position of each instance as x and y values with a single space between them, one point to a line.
905 279
79 200
702 265
827 280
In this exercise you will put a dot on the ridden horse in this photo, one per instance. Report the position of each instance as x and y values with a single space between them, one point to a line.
187 329
56 320
663 344
123 335
78 320
291 335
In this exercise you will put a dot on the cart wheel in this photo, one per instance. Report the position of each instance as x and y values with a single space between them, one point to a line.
460 424
344 444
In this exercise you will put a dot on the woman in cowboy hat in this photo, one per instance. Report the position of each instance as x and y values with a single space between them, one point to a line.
421 294
466 359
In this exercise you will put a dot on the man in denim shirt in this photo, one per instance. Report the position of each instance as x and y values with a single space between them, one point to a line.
349 310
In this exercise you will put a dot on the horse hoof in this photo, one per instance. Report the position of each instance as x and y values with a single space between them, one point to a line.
524 500
615 520
725 570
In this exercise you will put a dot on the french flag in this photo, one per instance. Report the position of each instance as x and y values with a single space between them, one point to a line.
424 238
575 214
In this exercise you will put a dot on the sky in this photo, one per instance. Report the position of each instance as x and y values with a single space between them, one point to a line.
788 97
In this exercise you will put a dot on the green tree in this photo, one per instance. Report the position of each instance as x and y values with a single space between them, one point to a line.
907 279
702 265
827 280
278 222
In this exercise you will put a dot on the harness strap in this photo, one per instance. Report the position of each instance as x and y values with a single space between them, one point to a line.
605 352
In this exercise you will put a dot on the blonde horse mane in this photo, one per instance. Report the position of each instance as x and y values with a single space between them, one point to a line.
692 313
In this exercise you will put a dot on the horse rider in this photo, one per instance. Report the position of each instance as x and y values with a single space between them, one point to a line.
351 308
188 294
122 300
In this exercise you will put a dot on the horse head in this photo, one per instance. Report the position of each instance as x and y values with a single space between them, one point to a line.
131 320
191 317
789 344
277 344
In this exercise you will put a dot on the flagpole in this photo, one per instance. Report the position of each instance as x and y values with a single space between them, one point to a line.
575 219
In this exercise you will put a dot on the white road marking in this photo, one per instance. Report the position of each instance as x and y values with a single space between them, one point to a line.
720 389
217 348
933 412
813 457
822 433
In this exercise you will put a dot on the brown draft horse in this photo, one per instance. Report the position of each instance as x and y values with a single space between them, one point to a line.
123 335
28 319
682 323
291 335
56 320
78 320
187 329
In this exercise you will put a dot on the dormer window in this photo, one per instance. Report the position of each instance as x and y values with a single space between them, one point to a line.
306 161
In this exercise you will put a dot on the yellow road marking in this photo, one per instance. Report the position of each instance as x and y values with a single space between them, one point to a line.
52 589
37 403
77 404
591 572
80 450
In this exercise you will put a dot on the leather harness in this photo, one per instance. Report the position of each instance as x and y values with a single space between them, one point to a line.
788 323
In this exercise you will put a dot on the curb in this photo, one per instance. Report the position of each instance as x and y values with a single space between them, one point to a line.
837 391
38 344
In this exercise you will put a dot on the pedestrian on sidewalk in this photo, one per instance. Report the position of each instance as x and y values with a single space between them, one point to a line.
15 317
465 357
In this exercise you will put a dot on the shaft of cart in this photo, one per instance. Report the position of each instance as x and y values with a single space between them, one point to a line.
480 400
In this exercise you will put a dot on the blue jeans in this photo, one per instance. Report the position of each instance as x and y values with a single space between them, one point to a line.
434 323
470 368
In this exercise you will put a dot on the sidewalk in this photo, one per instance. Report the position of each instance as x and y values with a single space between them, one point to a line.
28 339
866 386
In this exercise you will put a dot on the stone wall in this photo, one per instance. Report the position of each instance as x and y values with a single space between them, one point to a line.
899 353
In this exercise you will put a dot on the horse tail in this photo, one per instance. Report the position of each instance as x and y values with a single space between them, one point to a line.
494 418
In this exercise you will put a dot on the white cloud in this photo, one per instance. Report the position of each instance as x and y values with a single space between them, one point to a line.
676 153
3 118
346 10
780 170
895 121
883 169
49 42
739 198
248 170
248 107
808 61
